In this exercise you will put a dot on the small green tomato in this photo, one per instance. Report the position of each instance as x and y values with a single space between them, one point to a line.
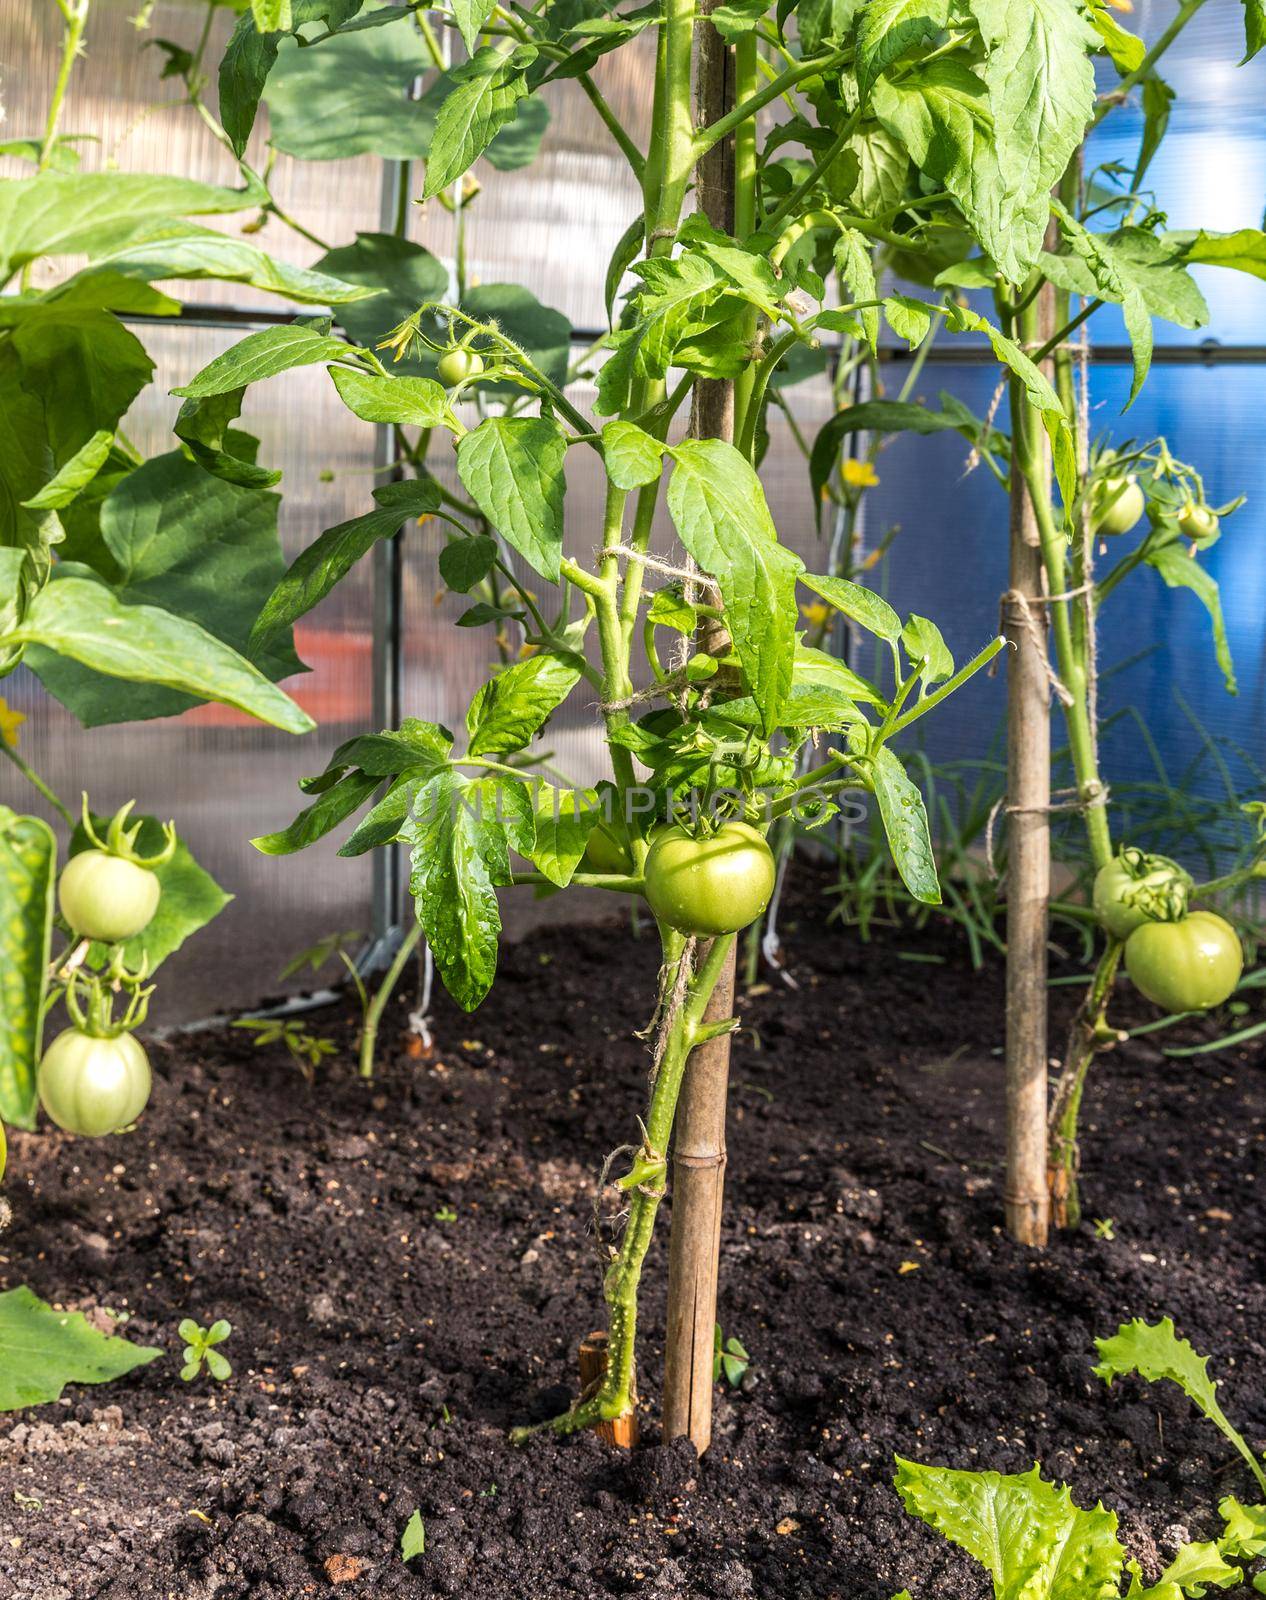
459 364
1128 879
1116 504
94 1086
1198 523
104 897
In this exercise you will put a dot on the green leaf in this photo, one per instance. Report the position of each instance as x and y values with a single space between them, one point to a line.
1254 28
42 1350
1154 1351
382 823
483 98
325 813
1126 49
905 821
923 642
414 402
1041 85
854 264
471 17
738 17
244 68
1180 570
223 451
459 851
203 550
512 468
718 506
403 274
466 562
68 213
1243 251
564 821
633 458
218 1366
623 256
1111 284
909 319
1245 1529
871 416
863 606
817 669
80 618
890 28
510 710
185 251
413 1539
669 608
1158 98
264 355
332 555
28 875
1028 1535
1197 1567
1156 267
74 475
272 16
190 895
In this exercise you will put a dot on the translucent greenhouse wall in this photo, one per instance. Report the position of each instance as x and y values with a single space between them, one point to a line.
551 228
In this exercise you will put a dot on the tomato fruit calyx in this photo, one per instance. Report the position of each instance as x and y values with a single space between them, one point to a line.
707 886
1134 888
120 840
93 1086
1192 964
1116 504
89 999
459 365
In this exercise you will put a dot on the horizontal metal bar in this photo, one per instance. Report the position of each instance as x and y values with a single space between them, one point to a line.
1208 353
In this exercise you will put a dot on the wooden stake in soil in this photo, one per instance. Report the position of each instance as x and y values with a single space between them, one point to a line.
698 1183
593 1364
1028 865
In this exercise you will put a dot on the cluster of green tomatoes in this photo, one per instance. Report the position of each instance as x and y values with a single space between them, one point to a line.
1117 504
1182 960
94 1078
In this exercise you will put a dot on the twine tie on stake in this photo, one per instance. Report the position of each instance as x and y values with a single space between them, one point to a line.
1061 800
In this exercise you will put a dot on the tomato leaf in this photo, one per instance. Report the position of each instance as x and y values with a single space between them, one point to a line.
718 506
564 820
82 619
1026 1533
42 1350
512 468
28 875
1180 570
266 354
414 402
511 709
633 458
471 15
1254 28
905 821
467 561
888 28
484 95
325 813
861 605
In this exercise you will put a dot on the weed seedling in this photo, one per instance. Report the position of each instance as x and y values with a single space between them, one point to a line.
200 1348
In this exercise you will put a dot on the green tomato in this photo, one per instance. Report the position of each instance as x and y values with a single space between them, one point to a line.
1117 887
107 898
1198 523
1116 504
1185 966
458 364
94 1086
709 886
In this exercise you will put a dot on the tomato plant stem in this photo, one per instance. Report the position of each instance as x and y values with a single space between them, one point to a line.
33 777
383 993
1088 1035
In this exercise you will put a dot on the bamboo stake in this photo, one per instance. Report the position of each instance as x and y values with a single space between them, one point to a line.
1028 858
699 1138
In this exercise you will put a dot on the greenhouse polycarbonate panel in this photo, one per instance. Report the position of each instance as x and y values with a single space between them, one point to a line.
223 777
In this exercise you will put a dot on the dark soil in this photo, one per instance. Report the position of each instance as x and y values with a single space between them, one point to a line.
381 1352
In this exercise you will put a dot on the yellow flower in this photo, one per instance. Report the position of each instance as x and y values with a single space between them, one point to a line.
10 722
859 474
816 613
1121 5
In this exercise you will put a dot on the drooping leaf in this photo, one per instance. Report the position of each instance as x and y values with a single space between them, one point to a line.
202 549
512 468
265 354
42 1350
905 821
332 806
1111 284
1028 1535
471 16
1158 98
871 416
1126 49
1254 28
1180 570
718 506
853 263
1155 266
225 452
82 619
511 709
28 874
332 555
1243 251
244 68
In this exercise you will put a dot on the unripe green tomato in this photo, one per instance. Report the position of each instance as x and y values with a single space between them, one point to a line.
94 1086
1112 884
1185 966
1197 523
458 364
107 898
1116 504
709 886
604 851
